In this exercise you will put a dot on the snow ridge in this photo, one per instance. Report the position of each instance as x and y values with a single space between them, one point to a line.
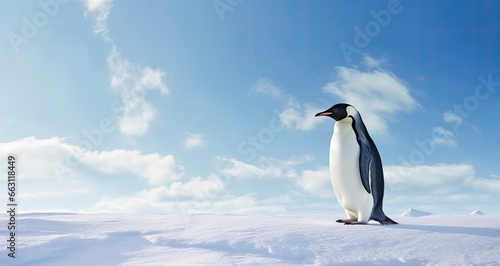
414 213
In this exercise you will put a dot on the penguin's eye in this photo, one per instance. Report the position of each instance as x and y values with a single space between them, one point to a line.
335 110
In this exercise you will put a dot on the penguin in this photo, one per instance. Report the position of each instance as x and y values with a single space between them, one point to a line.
355 167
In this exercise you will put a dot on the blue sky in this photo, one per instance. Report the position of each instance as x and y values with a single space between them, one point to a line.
208 106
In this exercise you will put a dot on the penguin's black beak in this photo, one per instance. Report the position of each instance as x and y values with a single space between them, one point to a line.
324 113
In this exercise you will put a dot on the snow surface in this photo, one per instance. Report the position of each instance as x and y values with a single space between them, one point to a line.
224 239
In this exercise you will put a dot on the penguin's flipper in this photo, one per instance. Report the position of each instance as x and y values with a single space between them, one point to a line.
365 160
365 151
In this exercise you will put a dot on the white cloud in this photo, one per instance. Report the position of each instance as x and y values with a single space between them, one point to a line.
492 184
195 195
295 115
153 167
267 168
371 62
316 182
99 10
456 188
453 118
424 186
149 201
130 80
37 158
443 136
458 198
267 87
50 159
238 169
299 116
195 188
427 176
95 4
194 140
377 94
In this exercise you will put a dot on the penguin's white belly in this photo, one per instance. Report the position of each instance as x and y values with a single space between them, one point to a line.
345 175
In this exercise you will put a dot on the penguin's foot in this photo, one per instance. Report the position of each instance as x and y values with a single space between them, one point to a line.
349 221
385 220
343 221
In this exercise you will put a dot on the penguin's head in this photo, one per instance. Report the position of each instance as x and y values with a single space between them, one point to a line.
339 111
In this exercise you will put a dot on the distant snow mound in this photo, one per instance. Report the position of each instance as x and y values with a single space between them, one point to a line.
477 212
414 213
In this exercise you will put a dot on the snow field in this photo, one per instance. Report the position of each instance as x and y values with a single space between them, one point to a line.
227 239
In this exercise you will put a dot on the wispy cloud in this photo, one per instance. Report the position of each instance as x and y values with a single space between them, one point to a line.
195 188
316 182
265 168
234 168
194 140
442 136
299 116
453 118
403 177
295 115
132 81
371 62
376 93
99 11
267 87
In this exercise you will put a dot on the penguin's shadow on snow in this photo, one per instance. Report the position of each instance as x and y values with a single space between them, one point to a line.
465 230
